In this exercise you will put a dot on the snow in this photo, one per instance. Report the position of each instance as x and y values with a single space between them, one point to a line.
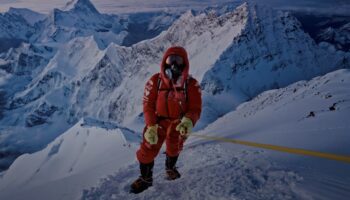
215 170
85 5
75 77
3 75
78 159
30 16
280 117
340 37
14 26
70 103
289 108
210 169
78 20
220 174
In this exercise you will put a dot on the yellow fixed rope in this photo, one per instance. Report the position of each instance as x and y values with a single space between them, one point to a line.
305 152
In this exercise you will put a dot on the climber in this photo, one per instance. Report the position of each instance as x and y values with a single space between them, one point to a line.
171 106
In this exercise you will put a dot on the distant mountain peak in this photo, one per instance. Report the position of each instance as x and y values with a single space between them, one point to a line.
30 16
83 5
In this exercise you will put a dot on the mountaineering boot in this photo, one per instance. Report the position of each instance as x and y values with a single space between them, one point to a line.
145 180
170 168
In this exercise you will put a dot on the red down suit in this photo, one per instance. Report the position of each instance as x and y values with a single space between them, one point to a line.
165 103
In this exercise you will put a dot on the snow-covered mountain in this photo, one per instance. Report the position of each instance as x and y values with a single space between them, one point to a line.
78 157
226 53
143 26
30 16
14 26
71 166
330 30
17 26
81 18
339 37
14 29
18 67
28 59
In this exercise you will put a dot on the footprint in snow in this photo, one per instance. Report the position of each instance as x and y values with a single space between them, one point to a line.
208 172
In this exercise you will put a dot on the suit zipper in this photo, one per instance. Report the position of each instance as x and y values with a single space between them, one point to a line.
166 102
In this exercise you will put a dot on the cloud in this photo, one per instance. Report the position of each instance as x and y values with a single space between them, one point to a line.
44 6
332 7
122 6
8 1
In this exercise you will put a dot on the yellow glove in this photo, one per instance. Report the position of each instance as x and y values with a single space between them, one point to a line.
151 135
185 126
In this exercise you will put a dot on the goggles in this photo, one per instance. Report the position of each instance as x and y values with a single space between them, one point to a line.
174 59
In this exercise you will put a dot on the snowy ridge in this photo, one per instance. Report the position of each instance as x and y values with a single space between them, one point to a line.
14 26
81 20
327 97
227 171
88 153
130 135
82 5
308 115
340 37
14 29
27 59
279 62
30 16
217 175
202 162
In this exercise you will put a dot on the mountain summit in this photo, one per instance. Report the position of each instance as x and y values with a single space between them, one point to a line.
80 18
81 5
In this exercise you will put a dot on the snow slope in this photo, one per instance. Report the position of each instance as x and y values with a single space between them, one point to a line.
327 97
282 117
210 169
76 159
225 171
